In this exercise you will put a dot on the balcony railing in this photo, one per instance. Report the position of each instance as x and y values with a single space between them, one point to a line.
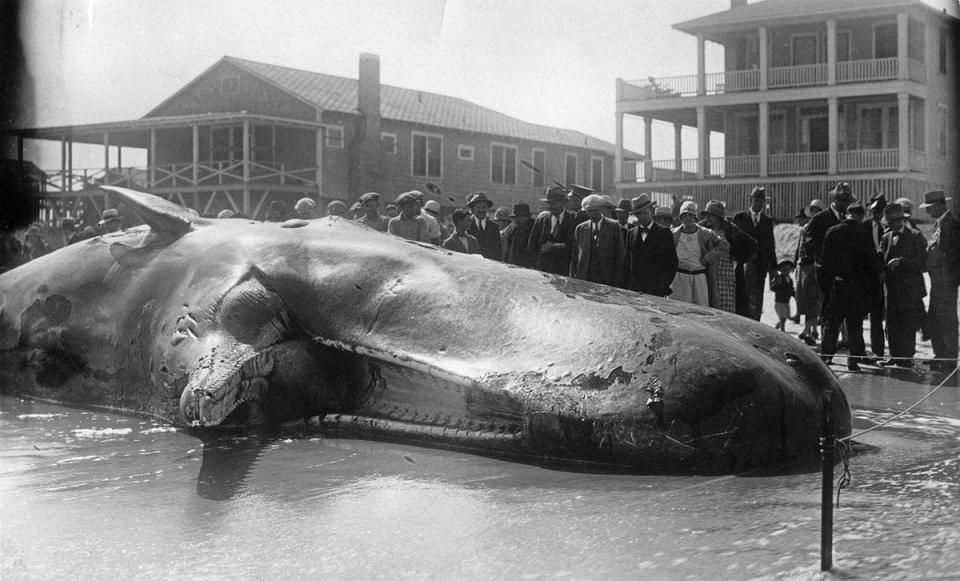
860 71
779 164
180 175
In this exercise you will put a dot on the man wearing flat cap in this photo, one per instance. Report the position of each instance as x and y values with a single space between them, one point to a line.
758 226
551 238
598 246
409 224
848 267
482 227
943 264
651 261
370 204
517 235
904 257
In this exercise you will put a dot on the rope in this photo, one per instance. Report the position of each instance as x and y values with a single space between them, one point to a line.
902 413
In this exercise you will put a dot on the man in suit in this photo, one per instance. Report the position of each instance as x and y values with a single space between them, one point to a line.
482 227
875 224
551 239
943 264
598 245
904 257
651 261
816 229
516 236
758 226
849 266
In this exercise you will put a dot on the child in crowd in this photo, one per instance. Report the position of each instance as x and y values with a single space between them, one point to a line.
782 287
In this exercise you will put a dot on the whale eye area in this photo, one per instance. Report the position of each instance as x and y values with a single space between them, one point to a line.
253 314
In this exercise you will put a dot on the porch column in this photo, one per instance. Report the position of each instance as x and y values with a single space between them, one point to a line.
196 153
763 58
63 163
701 65
647 148
833 125
70 166
831 52
106 155
903 131
319 162
764 135
677 149
703 145
152 157
119 157
246 167
902 72
618 153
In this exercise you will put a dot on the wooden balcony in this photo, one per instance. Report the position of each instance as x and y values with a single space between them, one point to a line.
780 164
861 71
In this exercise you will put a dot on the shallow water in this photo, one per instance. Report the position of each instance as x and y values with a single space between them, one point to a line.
94 495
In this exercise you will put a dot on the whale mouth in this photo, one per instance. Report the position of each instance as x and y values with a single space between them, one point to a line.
216 389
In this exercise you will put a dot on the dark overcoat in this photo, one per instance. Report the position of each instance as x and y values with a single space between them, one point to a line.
651 264
557 259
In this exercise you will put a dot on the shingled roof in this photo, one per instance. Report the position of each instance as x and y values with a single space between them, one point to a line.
333 93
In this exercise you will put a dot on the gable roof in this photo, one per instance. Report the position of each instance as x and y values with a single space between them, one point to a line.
340 94
779 10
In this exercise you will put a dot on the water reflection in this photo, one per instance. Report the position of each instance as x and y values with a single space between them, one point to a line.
227 460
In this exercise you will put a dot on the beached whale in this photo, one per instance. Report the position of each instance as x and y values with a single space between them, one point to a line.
210 323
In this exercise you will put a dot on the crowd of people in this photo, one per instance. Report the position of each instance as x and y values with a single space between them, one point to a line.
848 267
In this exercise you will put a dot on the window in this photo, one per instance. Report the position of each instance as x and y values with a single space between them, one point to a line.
465 152
877 127
570 168
334 138
596 174
263 146
503 164
777 139
942 130
917 122
226 143
884 41
843 45
804 49
230 86
539 162
388 141
942 50
426 156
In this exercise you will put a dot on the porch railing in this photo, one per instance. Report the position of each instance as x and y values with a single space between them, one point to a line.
735 166
179 175
868 159
859 71
798 163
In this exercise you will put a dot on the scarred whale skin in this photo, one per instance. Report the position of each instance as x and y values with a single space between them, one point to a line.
213 322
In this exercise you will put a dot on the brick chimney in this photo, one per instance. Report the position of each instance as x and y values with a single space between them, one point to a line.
367 155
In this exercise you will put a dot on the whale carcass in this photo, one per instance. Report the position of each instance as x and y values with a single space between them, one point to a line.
210 323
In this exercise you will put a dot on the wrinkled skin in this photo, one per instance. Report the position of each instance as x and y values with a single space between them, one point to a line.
210 323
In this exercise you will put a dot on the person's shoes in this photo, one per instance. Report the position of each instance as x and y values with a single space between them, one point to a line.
870 360
853 366
887 362
828 359
807 339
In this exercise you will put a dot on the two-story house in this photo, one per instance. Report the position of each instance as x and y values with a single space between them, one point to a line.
811 93
243 134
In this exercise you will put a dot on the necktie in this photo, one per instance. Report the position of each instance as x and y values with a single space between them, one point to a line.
555 225
756 219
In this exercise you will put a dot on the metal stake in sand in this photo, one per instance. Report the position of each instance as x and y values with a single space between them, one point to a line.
826 487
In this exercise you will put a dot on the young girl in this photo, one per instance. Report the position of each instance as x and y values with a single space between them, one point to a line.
782 287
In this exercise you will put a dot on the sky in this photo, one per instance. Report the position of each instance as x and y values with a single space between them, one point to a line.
548 62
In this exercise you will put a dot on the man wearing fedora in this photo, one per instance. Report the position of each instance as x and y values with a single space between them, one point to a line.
551 238
875 224
598 249
758 226
517 235
110 221
849 265
651 261
816 230
943 264
904 257
622 212
482 227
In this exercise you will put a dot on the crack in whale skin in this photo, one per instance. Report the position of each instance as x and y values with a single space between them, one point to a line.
225 322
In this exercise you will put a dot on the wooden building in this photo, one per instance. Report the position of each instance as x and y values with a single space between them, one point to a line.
811 93
244 133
